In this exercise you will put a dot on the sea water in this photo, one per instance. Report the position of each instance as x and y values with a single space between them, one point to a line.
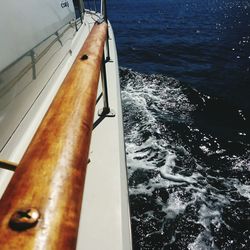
185 79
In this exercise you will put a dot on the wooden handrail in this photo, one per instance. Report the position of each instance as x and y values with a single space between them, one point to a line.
40 208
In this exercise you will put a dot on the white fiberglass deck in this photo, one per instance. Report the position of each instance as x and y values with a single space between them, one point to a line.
105 220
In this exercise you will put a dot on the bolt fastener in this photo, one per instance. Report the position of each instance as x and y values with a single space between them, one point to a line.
84 57
24 219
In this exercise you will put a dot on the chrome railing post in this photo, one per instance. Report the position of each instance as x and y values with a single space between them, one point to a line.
105 111
83 6
104 10
80 2
95 5
105 16
33 62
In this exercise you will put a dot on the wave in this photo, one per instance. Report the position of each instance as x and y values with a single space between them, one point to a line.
188 158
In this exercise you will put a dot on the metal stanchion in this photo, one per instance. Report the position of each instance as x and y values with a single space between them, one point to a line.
105 16
95 6
105 111
80 10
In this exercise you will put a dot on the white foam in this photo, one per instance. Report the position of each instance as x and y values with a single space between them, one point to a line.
244 190
166 171
209 215
177 178
143 97
175 206
142 189
204 241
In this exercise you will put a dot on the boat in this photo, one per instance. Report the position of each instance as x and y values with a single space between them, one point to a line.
63 178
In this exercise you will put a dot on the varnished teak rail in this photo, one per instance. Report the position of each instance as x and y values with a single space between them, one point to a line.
50 176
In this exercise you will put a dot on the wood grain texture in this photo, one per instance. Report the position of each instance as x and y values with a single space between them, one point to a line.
50 176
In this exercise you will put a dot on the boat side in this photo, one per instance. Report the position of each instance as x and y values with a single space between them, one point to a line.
105 218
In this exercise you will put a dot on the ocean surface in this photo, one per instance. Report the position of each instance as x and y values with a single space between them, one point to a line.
185 79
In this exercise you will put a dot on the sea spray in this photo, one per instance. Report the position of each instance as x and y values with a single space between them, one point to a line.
188 187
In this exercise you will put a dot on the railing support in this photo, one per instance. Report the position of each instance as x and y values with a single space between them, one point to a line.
105 16
105 111
83 5
95 5
80 3
33 63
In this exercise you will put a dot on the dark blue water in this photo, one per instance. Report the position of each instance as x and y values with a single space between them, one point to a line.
203 43
185 76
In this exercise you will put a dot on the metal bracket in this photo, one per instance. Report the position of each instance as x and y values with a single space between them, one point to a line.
100 20
58 38
106 112
76 25
33 63
8 165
